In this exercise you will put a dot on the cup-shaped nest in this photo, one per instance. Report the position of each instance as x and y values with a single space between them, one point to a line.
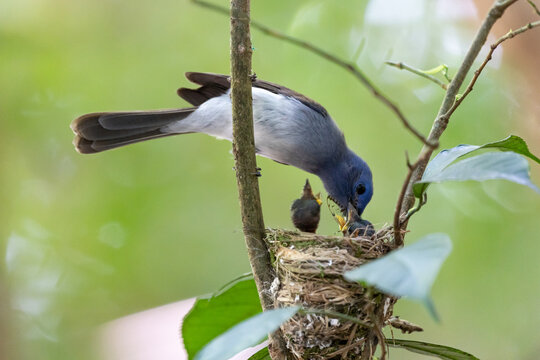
310 271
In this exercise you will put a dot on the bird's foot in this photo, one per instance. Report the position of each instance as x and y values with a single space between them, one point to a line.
253 77
257 172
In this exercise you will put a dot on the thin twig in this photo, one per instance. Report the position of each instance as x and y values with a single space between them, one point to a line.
376 316
398 237
440 123
534 7
418 72
350 67
477 73
413 211
343 351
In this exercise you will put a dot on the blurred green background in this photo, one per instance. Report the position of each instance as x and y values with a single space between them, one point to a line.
88 239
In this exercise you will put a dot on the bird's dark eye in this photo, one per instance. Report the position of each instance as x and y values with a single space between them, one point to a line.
360 189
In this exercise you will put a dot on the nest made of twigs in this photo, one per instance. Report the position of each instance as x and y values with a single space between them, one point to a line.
309 268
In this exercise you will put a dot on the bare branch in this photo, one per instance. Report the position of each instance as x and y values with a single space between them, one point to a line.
398 224
441 121
418 72
534 7
350 67
405 326
477 73
246 165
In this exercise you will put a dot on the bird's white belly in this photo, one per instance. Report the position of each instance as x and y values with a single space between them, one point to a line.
271 112
279 126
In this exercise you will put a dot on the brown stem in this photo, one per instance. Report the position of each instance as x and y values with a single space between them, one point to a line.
441 121
477 72
350 67
245 162
398 238
535 8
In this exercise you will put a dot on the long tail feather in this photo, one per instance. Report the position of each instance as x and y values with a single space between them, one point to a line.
98 132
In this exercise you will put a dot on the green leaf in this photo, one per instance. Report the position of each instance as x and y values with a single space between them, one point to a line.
213 315
248 333
435 70
490 166
512 143
261 355
446 157
409 271
440 351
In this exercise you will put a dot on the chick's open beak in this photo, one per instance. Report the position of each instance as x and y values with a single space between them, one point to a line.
318 199
343 224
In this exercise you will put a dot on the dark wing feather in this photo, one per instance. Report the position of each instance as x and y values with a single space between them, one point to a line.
216 84
282 90
103 131
198 96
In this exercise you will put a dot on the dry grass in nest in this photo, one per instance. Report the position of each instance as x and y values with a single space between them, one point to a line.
309 269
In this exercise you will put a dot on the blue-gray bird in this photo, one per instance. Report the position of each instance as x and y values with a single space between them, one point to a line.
289 128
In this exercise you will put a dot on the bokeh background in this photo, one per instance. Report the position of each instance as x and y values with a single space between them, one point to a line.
87 239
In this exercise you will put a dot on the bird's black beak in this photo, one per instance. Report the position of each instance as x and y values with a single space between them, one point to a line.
352 212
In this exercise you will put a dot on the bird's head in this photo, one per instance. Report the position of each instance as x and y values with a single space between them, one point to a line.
350 183
361 190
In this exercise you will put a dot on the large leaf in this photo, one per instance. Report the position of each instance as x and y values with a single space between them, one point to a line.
213 315
446 157
248 333
440 351
491 166
409 271
512 143
261 355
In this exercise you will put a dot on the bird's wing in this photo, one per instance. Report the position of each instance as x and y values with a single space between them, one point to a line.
213 85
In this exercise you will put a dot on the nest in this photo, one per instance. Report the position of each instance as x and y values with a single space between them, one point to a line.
309 268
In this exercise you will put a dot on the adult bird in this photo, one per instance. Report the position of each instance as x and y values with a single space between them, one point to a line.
289 128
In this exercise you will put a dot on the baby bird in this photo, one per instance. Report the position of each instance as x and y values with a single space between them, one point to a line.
353 225
306 211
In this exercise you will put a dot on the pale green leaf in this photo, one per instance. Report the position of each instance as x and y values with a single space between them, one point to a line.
491 166
409 271
440 162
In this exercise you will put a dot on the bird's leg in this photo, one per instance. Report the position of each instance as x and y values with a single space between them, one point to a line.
253 77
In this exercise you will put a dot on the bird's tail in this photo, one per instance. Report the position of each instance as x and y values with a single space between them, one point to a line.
104 131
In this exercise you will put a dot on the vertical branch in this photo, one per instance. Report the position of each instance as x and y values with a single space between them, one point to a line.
244 147
245 162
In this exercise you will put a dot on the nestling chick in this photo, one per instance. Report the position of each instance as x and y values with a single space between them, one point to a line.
358 226
306 211
353 225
